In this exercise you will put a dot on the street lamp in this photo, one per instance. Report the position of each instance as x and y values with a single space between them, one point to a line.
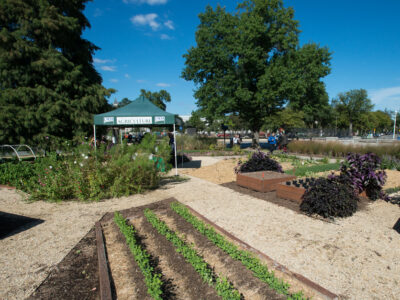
394 126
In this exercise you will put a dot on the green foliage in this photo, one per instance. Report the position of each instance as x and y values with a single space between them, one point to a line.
90 175
247 63
287 118
158 98
195 142
328 197
307 170
222 286
152 279
49 87
246 258
352 105
195 121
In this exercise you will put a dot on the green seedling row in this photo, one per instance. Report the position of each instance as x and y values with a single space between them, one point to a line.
302 171
152 279
249 261
221 285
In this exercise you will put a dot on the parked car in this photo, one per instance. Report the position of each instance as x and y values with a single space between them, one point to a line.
221 135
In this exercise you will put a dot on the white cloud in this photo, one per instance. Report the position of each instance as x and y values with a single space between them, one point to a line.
169 24
162 84
149 2
114 80
97 13
140 81
127 76
149 19
101 61
165 37
385 94
108 68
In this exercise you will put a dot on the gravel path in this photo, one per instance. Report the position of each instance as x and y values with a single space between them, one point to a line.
357 257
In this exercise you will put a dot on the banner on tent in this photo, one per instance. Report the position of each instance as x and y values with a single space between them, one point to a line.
133 120
108 120
159 119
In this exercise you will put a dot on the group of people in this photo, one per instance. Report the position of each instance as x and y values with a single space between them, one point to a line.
277 142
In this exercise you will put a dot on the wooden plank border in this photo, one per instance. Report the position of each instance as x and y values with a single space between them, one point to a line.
316 288
104 275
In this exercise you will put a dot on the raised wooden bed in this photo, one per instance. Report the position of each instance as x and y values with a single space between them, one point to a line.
289 192
262 181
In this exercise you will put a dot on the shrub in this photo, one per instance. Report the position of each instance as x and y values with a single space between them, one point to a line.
91 175
329 198
360 171
259 161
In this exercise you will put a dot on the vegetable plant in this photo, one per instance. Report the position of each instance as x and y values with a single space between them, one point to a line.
152 279
221 285
248 260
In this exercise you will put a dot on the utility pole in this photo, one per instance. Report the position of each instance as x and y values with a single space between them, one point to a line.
394 126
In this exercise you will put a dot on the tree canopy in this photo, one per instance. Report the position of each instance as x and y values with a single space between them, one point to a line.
157 98
250 63
48 85
352 105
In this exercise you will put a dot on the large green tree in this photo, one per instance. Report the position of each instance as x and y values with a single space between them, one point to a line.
158 98
249 63
351 105
48 85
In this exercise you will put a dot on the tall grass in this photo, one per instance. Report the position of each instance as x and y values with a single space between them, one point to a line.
336 149
194 142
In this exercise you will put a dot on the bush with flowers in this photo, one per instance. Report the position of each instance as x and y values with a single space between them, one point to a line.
87 175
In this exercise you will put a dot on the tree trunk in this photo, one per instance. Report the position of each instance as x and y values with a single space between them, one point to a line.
256 140
351 129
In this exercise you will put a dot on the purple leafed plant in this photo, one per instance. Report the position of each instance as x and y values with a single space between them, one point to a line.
363 173
259 161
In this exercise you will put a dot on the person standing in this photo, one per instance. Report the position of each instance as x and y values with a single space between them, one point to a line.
272 142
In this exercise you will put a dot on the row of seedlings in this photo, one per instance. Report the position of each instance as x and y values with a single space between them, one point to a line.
152 279
245 257
221 284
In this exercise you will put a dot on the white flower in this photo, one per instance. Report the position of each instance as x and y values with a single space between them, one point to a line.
156 149
81 164
83 155
86 157
75 162
302 162
50 167
151 156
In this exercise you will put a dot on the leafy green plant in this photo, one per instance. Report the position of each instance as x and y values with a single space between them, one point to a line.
328 197
222 286
259 161
152 279
86 174
307 170
248 259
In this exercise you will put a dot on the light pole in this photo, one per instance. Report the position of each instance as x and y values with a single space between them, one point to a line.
394 126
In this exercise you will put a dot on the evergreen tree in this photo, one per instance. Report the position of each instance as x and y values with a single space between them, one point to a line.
49 88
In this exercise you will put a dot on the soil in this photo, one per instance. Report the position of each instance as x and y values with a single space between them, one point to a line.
180 279
76 276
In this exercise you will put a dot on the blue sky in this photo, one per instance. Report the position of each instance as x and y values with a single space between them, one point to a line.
142 43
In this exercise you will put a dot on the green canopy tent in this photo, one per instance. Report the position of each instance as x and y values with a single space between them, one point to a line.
139 113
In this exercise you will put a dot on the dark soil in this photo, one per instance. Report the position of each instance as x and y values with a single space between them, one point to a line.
76 276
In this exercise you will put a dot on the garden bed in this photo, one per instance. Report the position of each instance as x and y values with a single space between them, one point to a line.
76 276
262 181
